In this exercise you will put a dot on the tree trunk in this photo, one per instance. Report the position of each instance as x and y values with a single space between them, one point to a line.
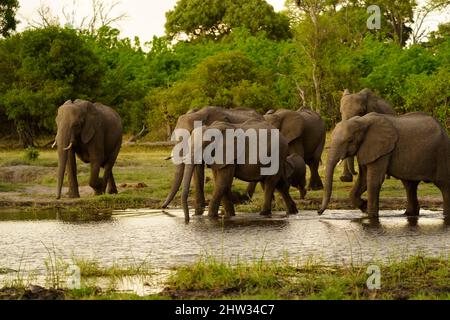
25 132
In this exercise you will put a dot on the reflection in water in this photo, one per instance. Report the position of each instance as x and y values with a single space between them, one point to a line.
164 240
88 216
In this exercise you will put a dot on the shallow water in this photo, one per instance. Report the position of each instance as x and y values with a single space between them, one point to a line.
164 240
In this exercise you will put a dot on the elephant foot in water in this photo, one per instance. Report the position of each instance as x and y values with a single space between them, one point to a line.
265 213
73 195
199 211
412 212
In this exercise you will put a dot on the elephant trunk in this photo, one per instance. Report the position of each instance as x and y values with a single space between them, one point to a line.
189 171
333 159
63 141
175 185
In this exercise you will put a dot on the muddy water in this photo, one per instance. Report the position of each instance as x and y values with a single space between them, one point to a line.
164 240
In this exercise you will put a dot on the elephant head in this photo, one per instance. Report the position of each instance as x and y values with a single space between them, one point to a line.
186 122
206 116
362 103
368 138
76 122
290 123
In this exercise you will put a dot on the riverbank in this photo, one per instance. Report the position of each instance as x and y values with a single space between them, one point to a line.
414 278
144 177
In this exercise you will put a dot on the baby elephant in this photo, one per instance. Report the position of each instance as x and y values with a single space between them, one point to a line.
296 173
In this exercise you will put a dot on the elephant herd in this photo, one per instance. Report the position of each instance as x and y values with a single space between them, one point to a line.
412 148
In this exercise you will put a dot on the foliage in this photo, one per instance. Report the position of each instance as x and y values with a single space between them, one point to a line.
31 154
41 69
8 22
213 19
231 54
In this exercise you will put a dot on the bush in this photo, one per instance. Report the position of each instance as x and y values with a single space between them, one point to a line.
31 154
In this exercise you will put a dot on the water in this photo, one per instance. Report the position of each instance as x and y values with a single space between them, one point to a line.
164 240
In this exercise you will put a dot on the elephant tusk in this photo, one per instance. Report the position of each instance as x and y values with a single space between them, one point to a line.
54 145
340 162
69 147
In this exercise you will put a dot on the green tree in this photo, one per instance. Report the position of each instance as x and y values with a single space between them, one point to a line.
215 18
8 22
41 69
125 81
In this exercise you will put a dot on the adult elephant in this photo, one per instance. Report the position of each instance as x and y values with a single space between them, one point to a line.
239 156
206 116
412 148
305 132
93 132
360 104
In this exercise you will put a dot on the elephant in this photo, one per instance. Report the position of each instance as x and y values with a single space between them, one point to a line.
306 133
360 104
207 116
296 173
412 147
225 172
92 132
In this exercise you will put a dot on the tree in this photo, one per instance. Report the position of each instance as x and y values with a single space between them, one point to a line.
8 22
422 14
399 14
102 15
215 18
41 69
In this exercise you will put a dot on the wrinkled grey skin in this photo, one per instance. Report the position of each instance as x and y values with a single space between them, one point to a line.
296 173
306 133
360 104
413 148
207 115
93 133
223 174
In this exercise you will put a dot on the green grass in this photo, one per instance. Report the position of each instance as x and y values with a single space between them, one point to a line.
414 278
92 269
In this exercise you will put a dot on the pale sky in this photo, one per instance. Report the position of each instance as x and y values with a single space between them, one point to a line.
145 18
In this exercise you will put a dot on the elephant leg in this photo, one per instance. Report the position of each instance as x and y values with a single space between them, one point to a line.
351 166
94 181
413 208
347 176
108 178
445 190
250 190
376 173
315 183
223 180
269 187
228 204
303 193
199 181
72 175
358 189
291 207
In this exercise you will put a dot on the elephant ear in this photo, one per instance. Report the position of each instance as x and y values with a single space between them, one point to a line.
90 123
380 138
292 126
